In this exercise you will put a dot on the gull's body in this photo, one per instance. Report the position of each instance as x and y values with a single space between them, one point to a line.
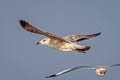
67 43
100 70
62 46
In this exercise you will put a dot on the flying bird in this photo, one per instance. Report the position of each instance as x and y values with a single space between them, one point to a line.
67 43
100 70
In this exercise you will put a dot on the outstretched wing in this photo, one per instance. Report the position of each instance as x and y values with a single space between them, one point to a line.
76 38
114 65
69 70
28 27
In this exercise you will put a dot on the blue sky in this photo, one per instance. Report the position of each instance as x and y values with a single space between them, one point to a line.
21 59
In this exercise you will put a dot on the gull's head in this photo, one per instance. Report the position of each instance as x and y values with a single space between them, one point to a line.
101 71
44 41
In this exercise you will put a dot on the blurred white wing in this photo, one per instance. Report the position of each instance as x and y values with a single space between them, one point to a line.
114 65
69 70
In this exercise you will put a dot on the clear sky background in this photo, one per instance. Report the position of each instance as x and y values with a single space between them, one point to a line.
21 59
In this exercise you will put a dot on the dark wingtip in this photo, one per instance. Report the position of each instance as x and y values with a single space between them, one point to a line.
22 23
98 33
51 76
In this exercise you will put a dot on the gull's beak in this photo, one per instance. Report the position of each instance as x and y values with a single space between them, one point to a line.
38 43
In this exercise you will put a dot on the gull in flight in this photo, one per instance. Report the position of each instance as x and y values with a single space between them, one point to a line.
100 70
67 43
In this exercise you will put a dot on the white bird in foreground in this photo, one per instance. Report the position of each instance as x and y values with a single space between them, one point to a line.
67 43
100 70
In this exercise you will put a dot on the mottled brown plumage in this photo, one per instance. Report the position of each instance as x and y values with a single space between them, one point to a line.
28 27
63 44
76 38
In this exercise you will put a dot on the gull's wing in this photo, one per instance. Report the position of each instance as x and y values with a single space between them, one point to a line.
76 38
28 27
114 65
69 70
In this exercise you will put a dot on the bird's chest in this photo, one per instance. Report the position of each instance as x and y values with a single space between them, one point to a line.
66 47
62 46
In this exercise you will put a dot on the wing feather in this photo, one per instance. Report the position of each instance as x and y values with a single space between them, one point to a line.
28 27
77 38
69 70
114 65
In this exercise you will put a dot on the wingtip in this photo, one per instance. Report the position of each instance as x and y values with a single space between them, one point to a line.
22 22
51 76
98 33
